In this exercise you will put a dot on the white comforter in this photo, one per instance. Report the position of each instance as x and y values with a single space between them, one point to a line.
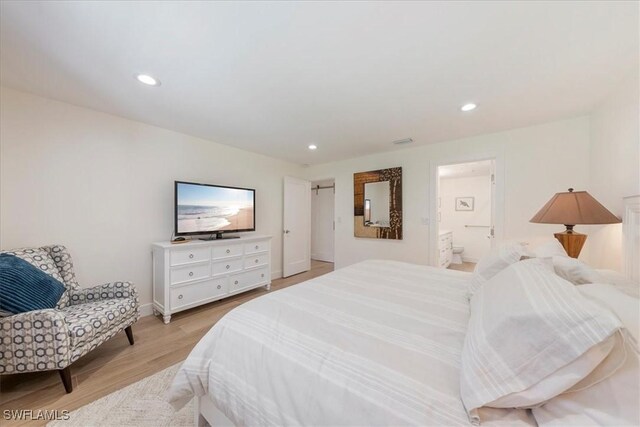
376 343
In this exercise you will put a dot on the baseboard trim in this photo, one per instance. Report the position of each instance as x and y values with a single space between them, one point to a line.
467 259
322 256
276 274
146 309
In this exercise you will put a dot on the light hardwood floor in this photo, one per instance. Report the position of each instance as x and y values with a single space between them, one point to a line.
116 364
465 266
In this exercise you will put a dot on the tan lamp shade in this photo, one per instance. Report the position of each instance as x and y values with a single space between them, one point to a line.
574 207
571 208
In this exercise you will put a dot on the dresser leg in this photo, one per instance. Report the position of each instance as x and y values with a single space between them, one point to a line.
268 286
166 318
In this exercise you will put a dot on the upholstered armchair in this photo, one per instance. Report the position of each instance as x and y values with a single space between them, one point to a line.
83 319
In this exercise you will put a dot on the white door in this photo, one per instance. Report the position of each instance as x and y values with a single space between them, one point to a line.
297 226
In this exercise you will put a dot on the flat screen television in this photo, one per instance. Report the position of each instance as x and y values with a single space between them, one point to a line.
213 209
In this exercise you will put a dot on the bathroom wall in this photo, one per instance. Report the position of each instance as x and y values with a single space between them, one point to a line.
474 239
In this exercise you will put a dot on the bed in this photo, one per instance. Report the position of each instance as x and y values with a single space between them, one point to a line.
376 343
386 343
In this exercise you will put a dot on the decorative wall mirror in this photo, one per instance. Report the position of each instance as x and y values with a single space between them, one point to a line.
377 197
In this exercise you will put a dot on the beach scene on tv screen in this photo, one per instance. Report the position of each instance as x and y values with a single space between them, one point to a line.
211 209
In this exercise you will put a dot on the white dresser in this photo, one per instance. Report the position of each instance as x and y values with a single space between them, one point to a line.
187 275
445 246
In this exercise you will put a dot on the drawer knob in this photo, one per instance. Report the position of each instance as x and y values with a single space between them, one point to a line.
228 266
262 275
219 287
256 261
180 296
228 251
256 247
235 283
190 255
191 273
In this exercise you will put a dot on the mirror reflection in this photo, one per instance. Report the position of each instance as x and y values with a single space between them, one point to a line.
376 204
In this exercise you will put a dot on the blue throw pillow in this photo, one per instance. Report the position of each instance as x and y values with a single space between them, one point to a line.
24 287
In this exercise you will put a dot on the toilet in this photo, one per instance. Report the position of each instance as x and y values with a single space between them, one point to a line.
456 258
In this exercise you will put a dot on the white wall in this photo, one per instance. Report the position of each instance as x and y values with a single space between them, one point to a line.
103 185
615 166
539 161
322 215
473 239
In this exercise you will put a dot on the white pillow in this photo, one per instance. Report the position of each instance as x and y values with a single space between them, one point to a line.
550 248
576 375
527 324
575 271
622 283
613 401
495 262
626 307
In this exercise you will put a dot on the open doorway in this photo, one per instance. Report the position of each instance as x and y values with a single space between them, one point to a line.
322 221
465 220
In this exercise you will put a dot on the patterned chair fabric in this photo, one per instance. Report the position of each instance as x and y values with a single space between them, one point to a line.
49 339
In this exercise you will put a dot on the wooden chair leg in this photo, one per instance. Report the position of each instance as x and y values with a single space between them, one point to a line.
129 333
65 375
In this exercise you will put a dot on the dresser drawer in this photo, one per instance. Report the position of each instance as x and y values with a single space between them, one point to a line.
248 279
189 273
201 291
226 251
227 266
256 260
251 248
187 256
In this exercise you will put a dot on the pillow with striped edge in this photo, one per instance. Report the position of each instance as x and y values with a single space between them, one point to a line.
614 400
532 336
24 287
494 263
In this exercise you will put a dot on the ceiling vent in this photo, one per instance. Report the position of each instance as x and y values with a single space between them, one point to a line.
403 141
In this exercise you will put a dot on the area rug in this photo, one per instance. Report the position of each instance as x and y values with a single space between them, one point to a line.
140 404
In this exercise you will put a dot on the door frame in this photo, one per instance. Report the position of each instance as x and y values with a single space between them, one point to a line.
434 193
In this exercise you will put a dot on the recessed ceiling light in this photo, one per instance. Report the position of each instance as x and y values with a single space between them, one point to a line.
313 147
468 107
147 79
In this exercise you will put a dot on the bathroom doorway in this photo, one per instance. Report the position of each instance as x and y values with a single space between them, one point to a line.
465 221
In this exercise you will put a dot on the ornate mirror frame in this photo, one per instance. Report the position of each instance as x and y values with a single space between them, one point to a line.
394 231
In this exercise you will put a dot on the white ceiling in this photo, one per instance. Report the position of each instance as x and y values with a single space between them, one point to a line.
463 170
350 77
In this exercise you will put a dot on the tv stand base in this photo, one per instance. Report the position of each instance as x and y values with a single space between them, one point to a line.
218 236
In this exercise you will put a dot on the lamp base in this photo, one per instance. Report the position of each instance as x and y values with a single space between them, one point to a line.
571 241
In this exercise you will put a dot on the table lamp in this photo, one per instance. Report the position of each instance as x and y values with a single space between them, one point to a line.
572 208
